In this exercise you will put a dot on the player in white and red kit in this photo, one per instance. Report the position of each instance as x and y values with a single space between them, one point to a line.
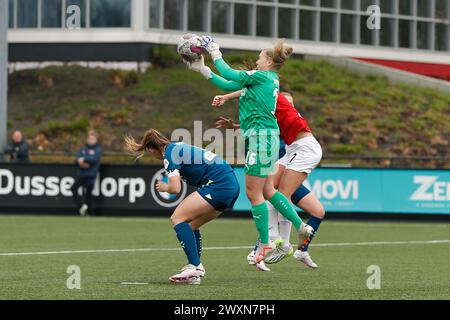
303 153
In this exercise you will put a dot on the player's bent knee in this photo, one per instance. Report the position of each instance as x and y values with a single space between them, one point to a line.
254 197
287 193
269 194
323 213
319 212
268 191
176 219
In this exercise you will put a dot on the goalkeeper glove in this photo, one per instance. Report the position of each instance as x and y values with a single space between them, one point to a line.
199 66
213 48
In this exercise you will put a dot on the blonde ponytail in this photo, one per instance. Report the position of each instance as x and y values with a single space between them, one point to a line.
279 53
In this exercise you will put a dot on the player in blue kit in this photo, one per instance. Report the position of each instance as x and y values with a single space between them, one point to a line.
218 189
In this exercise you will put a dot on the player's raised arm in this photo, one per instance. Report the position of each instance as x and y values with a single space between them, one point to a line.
242 77
221 83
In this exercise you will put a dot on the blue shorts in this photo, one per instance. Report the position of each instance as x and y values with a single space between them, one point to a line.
282 150
222 192
299 194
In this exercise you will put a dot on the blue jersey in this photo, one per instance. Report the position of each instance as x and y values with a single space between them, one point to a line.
195 165
91 155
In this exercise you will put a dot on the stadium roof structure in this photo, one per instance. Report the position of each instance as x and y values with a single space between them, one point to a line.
412 32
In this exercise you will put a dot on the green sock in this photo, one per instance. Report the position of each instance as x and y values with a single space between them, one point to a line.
283 205
261 217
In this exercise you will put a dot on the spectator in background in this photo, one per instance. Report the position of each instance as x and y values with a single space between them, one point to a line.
17 148
88 163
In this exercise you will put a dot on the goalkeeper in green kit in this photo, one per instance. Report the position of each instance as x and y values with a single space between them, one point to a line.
260 130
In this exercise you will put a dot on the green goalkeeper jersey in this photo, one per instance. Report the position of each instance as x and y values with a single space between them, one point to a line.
258 99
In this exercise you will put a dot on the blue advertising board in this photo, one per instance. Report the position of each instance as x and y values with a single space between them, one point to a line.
374 190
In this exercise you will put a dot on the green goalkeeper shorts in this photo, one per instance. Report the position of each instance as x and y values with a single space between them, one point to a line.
261 152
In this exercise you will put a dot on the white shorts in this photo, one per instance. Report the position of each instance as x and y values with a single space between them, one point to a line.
302 155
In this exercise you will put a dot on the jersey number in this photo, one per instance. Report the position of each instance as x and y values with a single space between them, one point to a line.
275 95
251 158
293 157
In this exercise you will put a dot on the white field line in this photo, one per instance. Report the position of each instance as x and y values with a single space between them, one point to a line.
338 244
332 223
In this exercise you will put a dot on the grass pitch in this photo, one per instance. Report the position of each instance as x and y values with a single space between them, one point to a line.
36 251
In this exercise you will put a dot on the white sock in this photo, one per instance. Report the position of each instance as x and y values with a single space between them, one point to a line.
273 221
284 227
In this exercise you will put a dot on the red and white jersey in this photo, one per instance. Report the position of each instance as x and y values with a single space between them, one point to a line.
289 120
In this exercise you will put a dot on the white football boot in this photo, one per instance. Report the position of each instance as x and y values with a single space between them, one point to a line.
279 254
279 242
189 274
199 267
83 210
264 251
261 266
251 258
304 233
303 256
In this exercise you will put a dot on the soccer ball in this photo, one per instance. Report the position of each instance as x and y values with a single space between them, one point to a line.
188 47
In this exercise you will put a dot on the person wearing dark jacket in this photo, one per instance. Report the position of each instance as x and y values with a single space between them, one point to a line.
88 165
17 149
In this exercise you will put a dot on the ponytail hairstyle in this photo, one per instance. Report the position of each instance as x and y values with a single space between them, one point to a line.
152 139
279 53
248 65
